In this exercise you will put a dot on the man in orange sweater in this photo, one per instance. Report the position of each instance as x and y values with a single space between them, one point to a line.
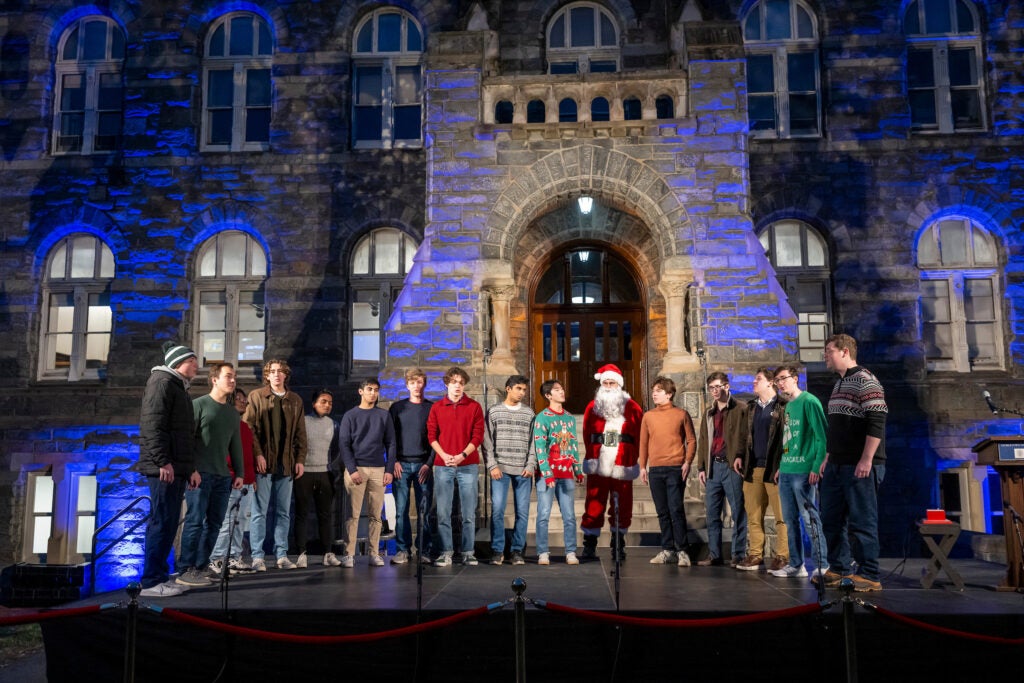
667 447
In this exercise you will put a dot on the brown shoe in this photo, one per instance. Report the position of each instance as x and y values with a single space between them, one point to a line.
710 562
863 585
749 564
831 578
779 563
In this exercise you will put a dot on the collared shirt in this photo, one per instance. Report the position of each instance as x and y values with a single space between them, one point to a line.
718 440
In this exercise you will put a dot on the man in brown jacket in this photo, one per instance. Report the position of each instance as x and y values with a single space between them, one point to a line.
720 449
278 424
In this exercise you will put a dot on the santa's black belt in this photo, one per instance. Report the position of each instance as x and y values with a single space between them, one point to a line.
611 438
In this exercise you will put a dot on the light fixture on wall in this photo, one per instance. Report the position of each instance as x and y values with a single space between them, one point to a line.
586 204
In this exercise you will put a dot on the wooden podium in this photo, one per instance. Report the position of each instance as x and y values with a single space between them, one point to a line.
1006 455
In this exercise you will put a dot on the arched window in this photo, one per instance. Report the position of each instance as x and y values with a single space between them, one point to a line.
784 97
387 81
801 261
961 310
380 262
230 305
632 110
503 112
567 111
582 37
77 319
536 112
89 92
665 107
599 109
944 66
237 86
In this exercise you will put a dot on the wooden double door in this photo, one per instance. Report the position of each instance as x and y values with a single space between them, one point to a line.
570 345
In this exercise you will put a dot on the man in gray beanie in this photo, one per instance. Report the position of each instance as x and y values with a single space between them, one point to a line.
167 458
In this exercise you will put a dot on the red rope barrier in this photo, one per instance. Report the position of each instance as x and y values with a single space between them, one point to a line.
33 617
943 630
812 608
323 640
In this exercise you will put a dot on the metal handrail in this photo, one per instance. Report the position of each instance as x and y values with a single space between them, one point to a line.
96 533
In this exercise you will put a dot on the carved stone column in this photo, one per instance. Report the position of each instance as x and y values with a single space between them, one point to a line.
678 359
501 295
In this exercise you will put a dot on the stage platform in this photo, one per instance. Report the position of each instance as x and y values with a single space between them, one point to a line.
559 646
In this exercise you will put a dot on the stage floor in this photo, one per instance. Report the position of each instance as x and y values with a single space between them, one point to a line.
365 599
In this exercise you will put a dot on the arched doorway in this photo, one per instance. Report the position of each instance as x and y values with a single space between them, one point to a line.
587 310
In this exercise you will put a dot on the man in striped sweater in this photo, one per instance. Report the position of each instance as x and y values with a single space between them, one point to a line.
510 461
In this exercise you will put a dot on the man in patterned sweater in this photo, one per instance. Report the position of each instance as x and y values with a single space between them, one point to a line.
559 469
854 467
510 463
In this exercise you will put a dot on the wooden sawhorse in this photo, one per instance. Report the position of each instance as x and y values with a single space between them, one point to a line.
946 533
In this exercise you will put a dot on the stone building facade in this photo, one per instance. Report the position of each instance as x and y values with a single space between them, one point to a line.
362 187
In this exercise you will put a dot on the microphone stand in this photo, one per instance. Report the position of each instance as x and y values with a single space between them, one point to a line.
816 530
486 487
1017 521
421 524
225 569
616 553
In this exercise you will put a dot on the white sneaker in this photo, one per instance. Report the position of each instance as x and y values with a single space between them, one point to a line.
331 560
258 565
544 558
664 557
790 572
163 590
285 563
570 558
301 562
683 558
443 560
401 557
347 561
376 560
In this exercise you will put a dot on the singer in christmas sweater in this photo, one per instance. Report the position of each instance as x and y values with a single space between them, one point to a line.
611 435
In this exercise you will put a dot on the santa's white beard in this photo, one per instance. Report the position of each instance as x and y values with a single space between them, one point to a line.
610 403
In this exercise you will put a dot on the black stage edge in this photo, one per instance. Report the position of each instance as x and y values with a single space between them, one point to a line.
559 647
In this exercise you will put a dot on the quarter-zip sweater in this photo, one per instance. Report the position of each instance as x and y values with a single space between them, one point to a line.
455 425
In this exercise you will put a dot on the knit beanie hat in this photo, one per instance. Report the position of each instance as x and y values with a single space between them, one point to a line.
175 354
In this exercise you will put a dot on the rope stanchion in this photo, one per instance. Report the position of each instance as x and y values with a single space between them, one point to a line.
788 613
258 634
48 615
908 621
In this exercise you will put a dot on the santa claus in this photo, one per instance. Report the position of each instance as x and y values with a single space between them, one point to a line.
611 432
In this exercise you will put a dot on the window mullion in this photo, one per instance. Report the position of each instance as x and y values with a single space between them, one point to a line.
781 63
92 95
387 82
231 325
238 107
958 320
943 101
78 327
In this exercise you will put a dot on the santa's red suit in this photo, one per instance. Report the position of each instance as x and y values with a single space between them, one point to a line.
611 461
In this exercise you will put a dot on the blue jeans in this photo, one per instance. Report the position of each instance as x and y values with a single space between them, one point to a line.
445 480
564 489
522 487
725 483
164 513
280 488
667 492
849 507
220 548
403 525
203 519
797 497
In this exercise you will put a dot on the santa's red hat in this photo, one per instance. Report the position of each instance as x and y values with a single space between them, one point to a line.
610 372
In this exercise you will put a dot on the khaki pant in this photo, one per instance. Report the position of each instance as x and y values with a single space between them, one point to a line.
757 495
373 489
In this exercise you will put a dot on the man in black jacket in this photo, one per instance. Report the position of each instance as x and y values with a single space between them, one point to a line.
167 458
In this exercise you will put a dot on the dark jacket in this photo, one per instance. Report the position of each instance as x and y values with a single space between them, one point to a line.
166 426
737 434
257 414
774 453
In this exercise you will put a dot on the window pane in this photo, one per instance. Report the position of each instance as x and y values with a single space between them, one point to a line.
251 310
258 265
963 66
251 345
109 91
414 39
938 340
41 535
97 350
503 112
83 257
231 246
760 74
549 289
211 345
664 107
385 255
815 249
58 262
964 18
546 336
599 341
564 68
621 285
631 109
257 125
361 258
607 32
804 24
407 123
787 245
369 123
365 315
95 45
208 261
935 301
220 88
612 352
99 318
369 83
266 46
920 69
762 112
86 500
966 108
70 53
106 261
752 26
535 112
599 110
72 96
581 26
953 242
984 249
922 108
803 114
407 88
603 67
567 111
42 503
217 42
557 36
62 312
928 248
560 342
802 68
389 33
364 43
911 20
410 254
937 18
242 36
776 19
86 527
810 295
212 310
979 300
981 341
627 340
257 87
366 346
